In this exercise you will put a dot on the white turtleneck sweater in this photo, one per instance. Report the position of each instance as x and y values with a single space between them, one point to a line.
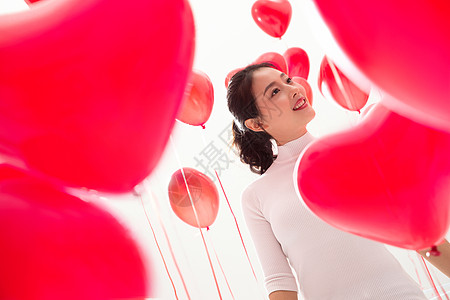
329 263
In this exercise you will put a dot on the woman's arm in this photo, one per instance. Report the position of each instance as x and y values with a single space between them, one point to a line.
283 295
441 262
278 275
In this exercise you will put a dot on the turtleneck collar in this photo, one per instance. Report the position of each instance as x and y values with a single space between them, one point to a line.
293 148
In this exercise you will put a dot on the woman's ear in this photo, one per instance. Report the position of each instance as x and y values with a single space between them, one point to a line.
254 124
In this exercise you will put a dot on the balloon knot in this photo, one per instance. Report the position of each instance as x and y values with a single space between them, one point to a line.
207 228
203 126
433 252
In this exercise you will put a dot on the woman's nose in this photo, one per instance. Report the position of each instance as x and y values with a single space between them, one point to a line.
295 92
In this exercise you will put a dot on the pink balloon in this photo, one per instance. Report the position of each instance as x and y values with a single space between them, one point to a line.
386 179
343 91
297 62
274 58
56 246
230 75
303 82
402 47
272 16
90 90
203 193
198 100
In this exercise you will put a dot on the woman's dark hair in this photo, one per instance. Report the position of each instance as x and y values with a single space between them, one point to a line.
255 148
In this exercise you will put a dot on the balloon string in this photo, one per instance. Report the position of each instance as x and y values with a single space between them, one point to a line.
285 44
378 93
156 207
203 138
221 269
196 216
159 248
235 220
339 83
201 233
439 284
237 226
416 270
429 278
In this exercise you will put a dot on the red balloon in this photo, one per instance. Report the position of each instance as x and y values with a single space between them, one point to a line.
297 62
204 195
230 75
402 47
302 81
274 58
272 16
342 90
56 246
386 179
198 100
87 96
271 57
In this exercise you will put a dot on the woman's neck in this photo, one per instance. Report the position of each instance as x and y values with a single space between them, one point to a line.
292 149
284 140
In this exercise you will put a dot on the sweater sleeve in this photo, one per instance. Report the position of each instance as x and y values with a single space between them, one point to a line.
277 271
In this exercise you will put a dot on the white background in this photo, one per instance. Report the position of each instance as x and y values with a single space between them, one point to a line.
226 38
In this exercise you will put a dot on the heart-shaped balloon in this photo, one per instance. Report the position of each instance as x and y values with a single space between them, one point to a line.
297 62
402 47
89 90
272 16
304 83
275 59
230 75
56 246
387 179
338 87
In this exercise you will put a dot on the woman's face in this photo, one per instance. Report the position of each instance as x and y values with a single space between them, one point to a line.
285 110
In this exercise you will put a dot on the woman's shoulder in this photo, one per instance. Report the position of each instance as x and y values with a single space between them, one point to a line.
256 188
249 191
258 182
250 201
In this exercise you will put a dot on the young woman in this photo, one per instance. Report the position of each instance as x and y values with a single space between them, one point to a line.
296 249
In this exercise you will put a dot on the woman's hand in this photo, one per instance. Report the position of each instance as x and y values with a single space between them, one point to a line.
441 262
283 295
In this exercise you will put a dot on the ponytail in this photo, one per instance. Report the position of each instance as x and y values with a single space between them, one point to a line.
255 147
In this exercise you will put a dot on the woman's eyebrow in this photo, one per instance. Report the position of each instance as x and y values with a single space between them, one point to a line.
268 87
272 83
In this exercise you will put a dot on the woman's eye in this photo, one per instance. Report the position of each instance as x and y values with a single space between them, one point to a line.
275 91
289 80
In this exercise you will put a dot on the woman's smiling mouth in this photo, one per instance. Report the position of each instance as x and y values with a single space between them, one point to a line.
301 103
